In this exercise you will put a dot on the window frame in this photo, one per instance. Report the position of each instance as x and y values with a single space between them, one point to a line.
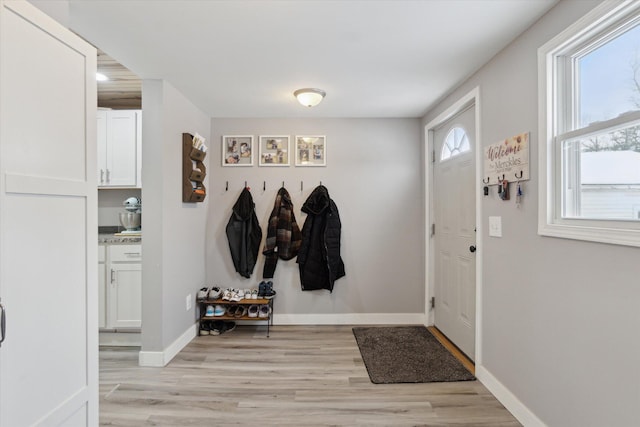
556 84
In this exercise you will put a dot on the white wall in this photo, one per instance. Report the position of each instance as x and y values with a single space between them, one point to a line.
373 174
173 247
561 317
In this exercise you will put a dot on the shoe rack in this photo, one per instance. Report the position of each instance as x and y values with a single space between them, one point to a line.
193 175
243 302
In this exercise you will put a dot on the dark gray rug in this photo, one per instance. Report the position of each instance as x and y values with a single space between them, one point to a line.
407 354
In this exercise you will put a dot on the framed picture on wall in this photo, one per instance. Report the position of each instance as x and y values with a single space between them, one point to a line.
237 150
311 150
274 150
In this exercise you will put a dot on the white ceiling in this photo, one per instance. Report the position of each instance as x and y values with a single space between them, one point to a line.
244 58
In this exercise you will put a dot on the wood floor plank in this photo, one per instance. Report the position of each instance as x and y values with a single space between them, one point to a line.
301 375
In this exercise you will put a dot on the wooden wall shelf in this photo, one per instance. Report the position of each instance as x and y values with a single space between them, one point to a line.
193 174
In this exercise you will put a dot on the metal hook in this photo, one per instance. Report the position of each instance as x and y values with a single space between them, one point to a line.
487 181
282 184
521 174
501 180
227 187
245 184
301 186
264 185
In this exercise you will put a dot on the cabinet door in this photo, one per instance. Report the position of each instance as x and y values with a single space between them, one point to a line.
125 296
102 146
122 152
102 295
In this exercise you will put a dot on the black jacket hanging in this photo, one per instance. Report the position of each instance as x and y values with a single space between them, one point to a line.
283 234
244 234
319 256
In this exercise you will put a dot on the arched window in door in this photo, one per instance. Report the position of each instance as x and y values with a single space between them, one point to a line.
455 144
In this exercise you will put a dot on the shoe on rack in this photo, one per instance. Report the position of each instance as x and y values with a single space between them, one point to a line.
228 327
227 294
238 295
202 294
241 311
204 327
261 288
214 293
231 310
269 292
219 310
253 310
209 312
247 294
265 311
254 293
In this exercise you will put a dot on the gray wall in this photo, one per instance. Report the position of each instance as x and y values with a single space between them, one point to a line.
561 317
174 239
373 174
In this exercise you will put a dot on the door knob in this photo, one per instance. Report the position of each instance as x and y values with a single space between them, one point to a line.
472 248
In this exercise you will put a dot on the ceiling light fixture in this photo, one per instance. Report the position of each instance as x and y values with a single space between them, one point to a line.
101 77
309 97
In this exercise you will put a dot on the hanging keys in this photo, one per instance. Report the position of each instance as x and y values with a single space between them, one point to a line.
504 186
518 195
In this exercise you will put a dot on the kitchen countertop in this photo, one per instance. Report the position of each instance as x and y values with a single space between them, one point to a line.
110 239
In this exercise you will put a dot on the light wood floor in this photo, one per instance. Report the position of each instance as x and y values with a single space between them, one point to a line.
300 376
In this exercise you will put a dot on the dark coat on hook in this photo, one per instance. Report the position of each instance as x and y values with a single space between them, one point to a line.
319 257
244 234
283 234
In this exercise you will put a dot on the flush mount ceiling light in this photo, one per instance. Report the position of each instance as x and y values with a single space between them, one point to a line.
101 77
309 97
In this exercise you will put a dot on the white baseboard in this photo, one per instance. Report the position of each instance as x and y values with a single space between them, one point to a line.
119 339
350 319
508 399
161 358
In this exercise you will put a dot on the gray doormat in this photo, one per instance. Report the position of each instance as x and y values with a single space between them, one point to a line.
407 354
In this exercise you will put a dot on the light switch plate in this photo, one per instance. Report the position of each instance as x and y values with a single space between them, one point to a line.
495 226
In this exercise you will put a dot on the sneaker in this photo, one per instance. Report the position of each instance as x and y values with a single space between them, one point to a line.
219 310
265 311
261 288
216 327
231 310
210 311
241 311
228 327
214 293
204 327
254 293
269 292
253 310
247 294
238 295
202 294
227 294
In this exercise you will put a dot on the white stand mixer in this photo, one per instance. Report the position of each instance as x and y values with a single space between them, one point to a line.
131 219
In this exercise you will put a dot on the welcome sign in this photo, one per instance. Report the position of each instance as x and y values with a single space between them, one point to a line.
507 160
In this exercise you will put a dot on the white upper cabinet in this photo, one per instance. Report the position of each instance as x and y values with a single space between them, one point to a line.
119 148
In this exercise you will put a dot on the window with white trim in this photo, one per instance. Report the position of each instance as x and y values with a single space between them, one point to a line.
589 85
456 143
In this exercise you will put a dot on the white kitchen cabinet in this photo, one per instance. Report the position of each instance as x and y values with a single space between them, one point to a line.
119 148
123 293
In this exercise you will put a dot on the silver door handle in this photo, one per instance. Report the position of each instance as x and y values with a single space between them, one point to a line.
108 179
3 324
112 273
101 176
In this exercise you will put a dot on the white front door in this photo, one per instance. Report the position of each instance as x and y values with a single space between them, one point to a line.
454 208
48 222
